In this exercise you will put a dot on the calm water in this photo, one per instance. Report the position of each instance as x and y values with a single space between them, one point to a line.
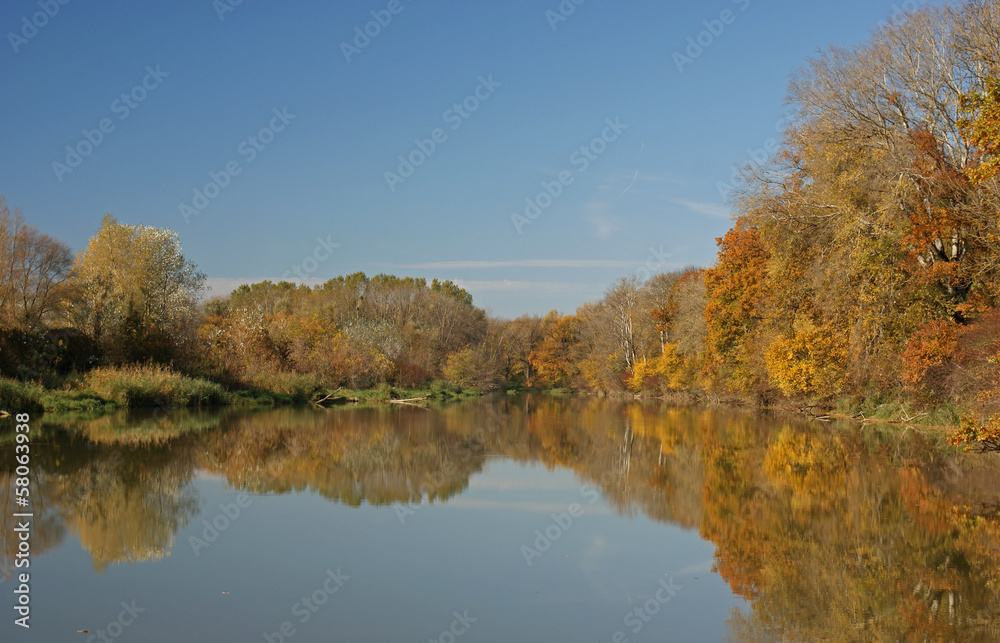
520 519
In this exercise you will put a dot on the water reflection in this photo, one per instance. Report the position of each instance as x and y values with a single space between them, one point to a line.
828 530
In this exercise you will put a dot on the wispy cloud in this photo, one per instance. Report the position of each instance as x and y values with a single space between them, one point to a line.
603 224
662 178
714 210
521 286
522 263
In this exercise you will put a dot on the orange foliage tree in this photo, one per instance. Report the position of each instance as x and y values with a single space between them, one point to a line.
552 360
736 291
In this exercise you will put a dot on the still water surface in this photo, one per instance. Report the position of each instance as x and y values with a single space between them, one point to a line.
500 520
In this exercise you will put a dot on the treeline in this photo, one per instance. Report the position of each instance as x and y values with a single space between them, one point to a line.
131 297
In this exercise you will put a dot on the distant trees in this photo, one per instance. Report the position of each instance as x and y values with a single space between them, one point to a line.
131 296
354 330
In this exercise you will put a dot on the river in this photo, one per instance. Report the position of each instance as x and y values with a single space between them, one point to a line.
501 519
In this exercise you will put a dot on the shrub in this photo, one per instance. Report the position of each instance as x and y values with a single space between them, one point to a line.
974 431
136 386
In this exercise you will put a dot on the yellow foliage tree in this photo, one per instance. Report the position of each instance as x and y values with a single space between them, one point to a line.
810 361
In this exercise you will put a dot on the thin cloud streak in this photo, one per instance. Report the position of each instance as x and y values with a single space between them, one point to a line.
522 263
523 286
713 210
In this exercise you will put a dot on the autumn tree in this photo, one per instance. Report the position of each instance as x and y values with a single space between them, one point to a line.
687 313
524 332
35 292
501 357
34 269
552 360
656 299
736 296
137 292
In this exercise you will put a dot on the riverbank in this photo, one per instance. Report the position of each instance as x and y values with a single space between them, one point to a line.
105 390
110 389
952 423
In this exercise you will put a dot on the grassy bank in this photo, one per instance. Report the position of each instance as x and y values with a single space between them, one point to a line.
109 389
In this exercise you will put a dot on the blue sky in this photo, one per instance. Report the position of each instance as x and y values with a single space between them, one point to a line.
258 107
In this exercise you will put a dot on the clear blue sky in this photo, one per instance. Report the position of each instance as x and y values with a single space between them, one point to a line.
211 83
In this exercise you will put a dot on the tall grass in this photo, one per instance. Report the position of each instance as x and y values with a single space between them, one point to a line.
146 386
20 397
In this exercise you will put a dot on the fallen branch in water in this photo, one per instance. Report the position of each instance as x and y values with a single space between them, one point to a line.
908 418
333 398
410 401
808 410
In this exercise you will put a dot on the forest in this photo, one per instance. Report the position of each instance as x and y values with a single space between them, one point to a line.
860 276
